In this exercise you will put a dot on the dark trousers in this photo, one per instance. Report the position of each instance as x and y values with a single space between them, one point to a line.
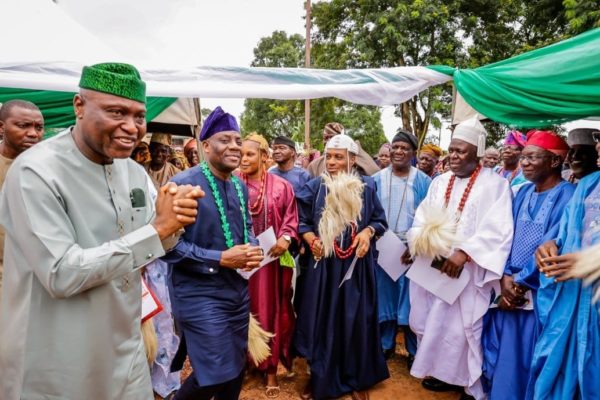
190 390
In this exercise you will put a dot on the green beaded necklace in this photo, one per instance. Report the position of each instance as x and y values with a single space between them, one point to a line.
219 201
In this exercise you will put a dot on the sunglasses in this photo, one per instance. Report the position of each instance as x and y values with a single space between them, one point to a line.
596 136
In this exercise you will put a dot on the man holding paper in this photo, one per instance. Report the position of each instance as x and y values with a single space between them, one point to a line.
208 296
272 205
337 329
465 225
400 188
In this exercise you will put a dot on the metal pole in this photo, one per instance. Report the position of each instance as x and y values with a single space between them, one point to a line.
307 65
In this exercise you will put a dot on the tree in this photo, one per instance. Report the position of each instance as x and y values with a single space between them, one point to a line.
462 33
273 118
390 33
582 15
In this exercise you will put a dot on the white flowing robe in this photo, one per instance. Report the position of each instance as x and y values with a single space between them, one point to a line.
71 305
449 336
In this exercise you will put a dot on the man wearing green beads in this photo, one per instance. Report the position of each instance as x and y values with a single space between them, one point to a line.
209 297
80 224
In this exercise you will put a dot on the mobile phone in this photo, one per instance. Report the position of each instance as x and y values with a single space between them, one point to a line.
438 262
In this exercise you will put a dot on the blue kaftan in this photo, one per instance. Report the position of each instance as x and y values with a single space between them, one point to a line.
393 297
210 303
296 176
509 336
566 359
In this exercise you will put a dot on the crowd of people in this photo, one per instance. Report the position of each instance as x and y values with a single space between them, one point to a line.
96 218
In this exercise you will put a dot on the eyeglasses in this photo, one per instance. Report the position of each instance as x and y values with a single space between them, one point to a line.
596 136
532 158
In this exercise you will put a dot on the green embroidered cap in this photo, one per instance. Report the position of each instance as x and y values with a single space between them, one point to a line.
121 80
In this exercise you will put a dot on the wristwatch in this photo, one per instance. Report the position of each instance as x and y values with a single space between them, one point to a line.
287 238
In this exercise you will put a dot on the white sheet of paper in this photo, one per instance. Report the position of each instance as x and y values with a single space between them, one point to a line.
266 241
349 272
391 249
431 279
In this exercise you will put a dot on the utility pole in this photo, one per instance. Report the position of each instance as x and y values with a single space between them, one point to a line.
307 65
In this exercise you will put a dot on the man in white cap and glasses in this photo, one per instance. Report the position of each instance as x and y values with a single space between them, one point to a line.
582 155
462 232
337 328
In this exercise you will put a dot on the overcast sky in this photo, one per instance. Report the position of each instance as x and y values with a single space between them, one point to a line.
199 32
195 32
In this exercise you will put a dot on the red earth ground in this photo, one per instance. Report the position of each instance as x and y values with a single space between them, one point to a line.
400 385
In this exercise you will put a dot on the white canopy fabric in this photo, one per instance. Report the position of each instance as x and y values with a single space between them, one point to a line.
51 56
378 87
181 112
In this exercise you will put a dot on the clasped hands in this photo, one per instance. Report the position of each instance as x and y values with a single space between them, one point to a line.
361 242
242 256
176 207
512 295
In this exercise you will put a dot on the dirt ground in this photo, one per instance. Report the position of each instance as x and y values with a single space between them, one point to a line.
400 385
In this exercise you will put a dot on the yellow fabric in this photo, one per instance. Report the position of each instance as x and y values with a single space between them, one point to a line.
431 149
262 142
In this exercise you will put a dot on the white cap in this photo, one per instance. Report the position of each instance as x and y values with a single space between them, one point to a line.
342 142
581 136
473 132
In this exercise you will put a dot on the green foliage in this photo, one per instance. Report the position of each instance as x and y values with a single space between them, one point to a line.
273 118
463 33
390 33
582 15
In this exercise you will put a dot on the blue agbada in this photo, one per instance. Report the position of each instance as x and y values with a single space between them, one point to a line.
337 328
566 358
210 303
509 336
296 176
400 198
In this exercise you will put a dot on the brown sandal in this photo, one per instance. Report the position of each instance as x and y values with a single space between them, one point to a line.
272 392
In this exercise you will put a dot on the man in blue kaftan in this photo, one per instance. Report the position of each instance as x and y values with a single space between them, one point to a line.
510 326
209 297
566 358
400 188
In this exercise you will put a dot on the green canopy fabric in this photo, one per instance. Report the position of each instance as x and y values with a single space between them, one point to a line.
544 87
57 107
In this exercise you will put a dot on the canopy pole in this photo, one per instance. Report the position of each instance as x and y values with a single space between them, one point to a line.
196 128
307 65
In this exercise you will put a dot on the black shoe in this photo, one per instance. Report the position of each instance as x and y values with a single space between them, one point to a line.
409 361
465 396
435 385
389 353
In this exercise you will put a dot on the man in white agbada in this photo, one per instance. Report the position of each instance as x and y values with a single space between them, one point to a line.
79 224
449 352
